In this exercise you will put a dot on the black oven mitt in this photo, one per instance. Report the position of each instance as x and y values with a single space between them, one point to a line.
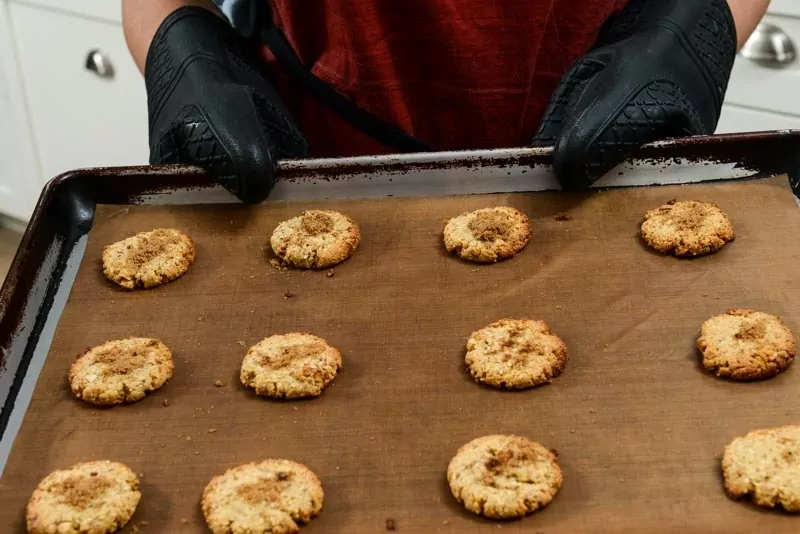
210 104
659 69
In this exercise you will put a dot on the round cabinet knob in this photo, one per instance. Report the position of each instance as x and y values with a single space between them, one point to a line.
769 46
100 64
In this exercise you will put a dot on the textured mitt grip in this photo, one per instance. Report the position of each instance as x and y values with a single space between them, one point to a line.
210 105
660 69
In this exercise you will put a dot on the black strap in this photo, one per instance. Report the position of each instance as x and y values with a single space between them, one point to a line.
371 125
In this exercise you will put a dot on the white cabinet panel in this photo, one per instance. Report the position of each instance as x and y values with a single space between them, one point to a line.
104 9
763 87
20 183
79 118
736 119
785 7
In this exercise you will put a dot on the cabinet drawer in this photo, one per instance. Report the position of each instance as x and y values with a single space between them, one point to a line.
79 118
110 10
735 119
764 87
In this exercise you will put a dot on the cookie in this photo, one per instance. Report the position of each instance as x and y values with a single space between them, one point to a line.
503 477
316 239
289 366
487 235
93 497
148 259
270 497
515 354
687 228
764 466
121 371
746 345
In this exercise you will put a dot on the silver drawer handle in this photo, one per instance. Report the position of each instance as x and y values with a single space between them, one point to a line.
100 64
769 46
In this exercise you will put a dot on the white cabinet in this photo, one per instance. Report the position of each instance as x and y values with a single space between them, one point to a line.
110 10
79 117
762 97
785 7
738 119
759 86
19 174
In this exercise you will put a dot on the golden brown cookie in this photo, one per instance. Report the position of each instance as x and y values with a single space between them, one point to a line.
746 345
93 497
764 466
121 371
148 259
316 239
289 366
270 497
687 228
487 235
515 354
502 477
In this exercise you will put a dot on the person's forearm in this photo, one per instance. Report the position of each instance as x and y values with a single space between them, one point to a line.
747 14
141 19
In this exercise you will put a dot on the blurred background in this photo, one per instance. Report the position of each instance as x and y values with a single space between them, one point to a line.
71 97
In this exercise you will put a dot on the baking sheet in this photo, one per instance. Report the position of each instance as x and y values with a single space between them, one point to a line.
638 425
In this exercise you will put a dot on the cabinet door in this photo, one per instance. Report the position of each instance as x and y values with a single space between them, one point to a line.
79 118
104 9
769 87
736 119
20 182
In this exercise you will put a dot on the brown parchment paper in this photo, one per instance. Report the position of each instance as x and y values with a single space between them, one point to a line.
638 425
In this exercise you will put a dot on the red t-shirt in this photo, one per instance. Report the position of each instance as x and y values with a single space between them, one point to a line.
456 74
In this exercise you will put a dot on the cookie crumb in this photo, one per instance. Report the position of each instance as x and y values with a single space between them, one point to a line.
288 295
241 343
184 521
390 524
188 438
331 273
212 430
562 216
338 468
445 522
165 403
279 265
219 384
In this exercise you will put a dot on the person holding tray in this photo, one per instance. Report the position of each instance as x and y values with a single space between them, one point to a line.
327 78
